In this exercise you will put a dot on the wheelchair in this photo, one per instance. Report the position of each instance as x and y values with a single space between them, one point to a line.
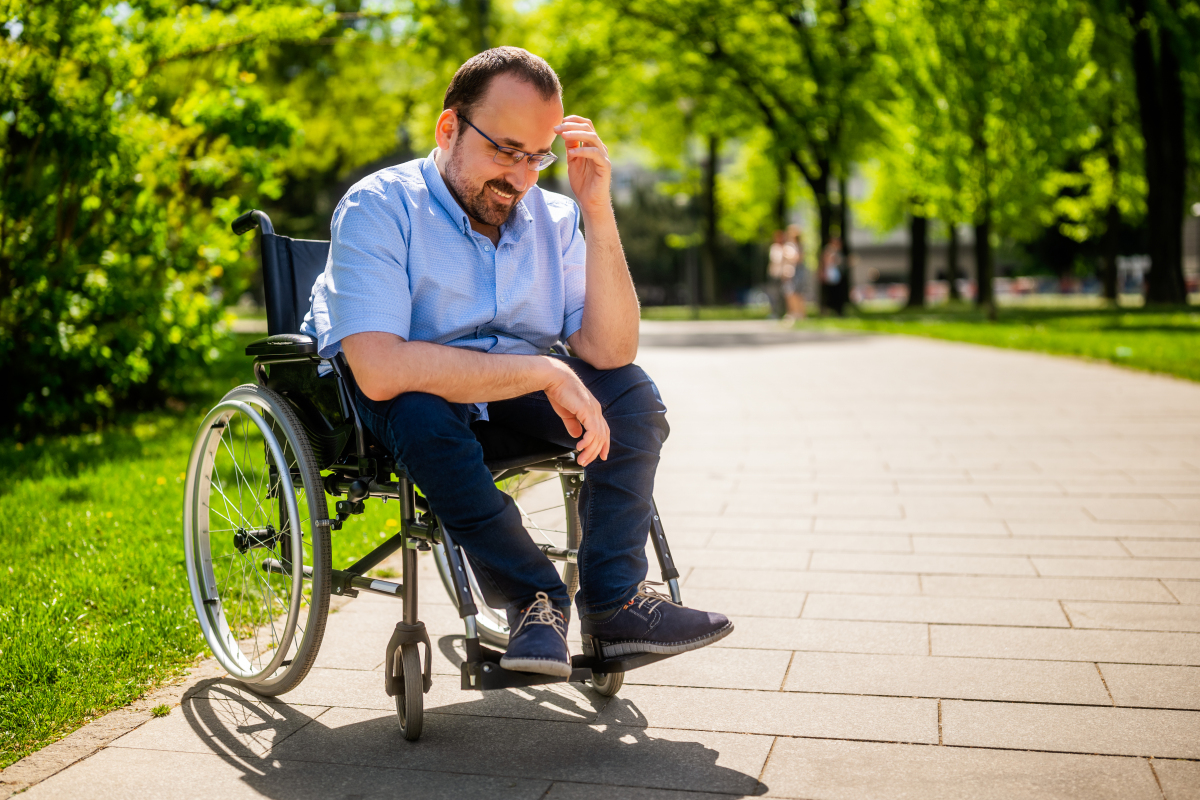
258 533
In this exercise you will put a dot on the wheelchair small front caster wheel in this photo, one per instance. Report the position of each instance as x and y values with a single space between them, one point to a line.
410 701
608 683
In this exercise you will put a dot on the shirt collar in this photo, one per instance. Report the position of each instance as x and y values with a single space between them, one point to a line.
517 223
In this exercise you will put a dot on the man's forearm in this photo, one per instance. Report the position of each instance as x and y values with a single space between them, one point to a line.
385 366
608 337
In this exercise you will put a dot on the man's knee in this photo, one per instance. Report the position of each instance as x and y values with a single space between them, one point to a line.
637 403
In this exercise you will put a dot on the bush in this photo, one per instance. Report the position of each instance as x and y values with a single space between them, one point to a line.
126 149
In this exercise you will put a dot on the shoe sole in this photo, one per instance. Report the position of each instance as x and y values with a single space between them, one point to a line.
638 647
539 665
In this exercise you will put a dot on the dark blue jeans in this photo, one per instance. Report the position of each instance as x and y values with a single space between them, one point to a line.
433 439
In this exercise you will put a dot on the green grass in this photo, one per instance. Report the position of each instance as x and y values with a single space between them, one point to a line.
1154 340
676 313
94 602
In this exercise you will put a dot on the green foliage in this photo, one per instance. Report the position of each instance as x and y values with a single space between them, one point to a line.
125 151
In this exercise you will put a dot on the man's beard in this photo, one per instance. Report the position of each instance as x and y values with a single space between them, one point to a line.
476 201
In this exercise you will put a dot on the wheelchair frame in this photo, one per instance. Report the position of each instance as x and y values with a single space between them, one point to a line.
363 469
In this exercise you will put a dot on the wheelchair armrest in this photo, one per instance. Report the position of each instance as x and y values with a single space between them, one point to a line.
283 344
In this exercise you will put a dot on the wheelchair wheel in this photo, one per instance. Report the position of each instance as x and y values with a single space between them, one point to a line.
550 513
256 541
608 683
410 702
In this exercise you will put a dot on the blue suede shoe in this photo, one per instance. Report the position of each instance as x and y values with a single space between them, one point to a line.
650 623
538 642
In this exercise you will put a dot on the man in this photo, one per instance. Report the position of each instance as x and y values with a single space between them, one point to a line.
449 278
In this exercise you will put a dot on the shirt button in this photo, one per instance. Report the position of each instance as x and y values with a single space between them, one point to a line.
487 247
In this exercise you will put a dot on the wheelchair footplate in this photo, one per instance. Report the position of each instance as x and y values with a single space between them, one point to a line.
481 671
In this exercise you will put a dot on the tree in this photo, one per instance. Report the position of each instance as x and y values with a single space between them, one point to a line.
125 151
1165 32
986 110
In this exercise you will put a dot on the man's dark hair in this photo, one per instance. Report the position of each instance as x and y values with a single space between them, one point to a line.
470 83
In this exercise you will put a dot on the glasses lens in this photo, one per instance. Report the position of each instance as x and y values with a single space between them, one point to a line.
541 162
506 157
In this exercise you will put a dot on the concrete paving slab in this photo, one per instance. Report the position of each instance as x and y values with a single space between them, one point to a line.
828 770
1079 729
1130 647
1119 568
223 720
1150 548
1180 780
1119 590
762 633
795 581
890 719
1092 529
562 790
1185 591
1134 616
923 564
1023 546
1153 687
727 668
966 610
964 678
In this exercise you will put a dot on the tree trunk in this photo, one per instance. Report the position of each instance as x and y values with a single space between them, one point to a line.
843 288
819 184
952 259
709 264
1108 266
1160 104
918 260
985 297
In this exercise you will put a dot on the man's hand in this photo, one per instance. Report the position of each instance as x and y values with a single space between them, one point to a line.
580 412
588 167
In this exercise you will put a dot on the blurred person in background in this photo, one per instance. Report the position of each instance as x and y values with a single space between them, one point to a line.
784 257
800 277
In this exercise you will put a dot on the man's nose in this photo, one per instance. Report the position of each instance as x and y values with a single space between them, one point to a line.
521 176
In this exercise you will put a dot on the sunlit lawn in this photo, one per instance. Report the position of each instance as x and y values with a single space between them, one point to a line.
94 603
1154 340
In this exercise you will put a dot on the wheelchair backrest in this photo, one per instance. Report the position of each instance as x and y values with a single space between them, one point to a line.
290 268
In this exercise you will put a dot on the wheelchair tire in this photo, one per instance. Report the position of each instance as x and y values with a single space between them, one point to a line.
410 702
608 683
252 501
492 623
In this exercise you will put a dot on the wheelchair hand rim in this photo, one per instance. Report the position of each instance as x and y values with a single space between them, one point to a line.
205 599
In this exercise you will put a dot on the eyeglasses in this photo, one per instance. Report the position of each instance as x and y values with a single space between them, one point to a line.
508 157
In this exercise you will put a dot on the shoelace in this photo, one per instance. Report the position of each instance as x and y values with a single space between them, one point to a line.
650 599
542 612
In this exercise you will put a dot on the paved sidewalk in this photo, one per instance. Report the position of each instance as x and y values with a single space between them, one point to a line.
955 572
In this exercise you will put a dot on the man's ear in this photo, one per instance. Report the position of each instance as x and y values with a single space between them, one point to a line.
447 124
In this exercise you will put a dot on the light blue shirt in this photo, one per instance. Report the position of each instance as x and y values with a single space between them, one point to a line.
405 260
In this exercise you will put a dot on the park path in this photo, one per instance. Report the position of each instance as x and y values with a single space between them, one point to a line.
955 572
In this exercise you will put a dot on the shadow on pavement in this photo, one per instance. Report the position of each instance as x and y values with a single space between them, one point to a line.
297 752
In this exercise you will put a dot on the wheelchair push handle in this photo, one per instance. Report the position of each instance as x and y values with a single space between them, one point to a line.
250 220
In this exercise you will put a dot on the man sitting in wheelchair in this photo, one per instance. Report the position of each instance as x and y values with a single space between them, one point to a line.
449 279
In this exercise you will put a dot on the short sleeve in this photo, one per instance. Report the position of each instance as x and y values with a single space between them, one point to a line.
366 279
574 252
